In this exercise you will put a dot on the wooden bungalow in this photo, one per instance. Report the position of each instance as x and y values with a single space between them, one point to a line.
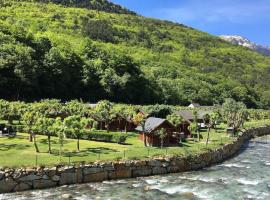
117 124
188 117
152 126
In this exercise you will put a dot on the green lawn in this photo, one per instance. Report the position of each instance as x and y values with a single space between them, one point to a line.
20 152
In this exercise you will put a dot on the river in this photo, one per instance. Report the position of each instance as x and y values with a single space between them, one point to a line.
246 176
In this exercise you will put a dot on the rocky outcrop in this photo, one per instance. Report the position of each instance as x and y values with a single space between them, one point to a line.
12 180
239 40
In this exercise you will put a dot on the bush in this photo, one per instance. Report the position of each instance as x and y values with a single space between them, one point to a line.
119 138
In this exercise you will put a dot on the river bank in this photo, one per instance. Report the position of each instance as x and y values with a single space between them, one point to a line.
12 180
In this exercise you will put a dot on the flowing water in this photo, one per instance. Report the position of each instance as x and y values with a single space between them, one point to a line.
246 176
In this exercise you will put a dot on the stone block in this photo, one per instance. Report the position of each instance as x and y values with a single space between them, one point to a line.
159 170
97 177
42 184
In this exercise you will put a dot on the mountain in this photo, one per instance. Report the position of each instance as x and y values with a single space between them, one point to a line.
239 40
93 50
101 5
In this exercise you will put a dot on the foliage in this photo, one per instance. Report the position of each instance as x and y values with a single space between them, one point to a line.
119 138
235 113
73 49
175 119
162 134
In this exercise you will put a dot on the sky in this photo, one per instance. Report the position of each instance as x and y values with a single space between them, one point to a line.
248 18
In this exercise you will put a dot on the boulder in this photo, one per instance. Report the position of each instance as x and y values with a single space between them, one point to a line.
23 186
7 185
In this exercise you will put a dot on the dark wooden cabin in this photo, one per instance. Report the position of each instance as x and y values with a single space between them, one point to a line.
152 125
118 124
188 117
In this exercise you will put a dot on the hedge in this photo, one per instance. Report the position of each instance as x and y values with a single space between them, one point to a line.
119 138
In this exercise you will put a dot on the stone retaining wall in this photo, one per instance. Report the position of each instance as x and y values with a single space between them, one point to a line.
12 180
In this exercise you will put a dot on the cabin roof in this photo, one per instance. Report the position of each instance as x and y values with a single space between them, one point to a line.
152 123
188 114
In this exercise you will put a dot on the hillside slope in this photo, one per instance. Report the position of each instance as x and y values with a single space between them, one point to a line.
53 51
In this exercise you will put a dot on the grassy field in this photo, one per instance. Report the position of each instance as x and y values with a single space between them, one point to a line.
20 152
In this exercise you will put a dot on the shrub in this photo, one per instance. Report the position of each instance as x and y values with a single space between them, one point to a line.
119 138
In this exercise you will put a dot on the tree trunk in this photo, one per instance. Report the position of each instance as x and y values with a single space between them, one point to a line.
126 126
60 152
49 143
30 137
35 144
78 144
144 139
208 135
107 126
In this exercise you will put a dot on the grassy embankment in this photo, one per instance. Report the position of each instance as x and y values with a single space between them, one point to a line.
19 151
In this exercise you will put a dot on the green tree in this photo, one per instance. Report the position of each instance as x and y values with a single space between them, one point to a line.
45 126
140 119
59 129
162 134
235 114
103 111
77 126
30 119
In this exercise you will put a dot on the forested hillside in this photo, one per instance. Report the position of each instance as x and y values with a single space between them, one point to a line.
61 50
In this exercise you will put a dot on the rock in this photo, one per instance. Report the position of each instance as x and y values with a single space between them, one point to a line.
7 185
67 196
42 184
159 170
147 188
119 165
56 178
183 165
92 170
139 163
71 178
173 169
51 171
142 171
23 186
30 177
189 195
2 175
154 163
121 174
100 176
